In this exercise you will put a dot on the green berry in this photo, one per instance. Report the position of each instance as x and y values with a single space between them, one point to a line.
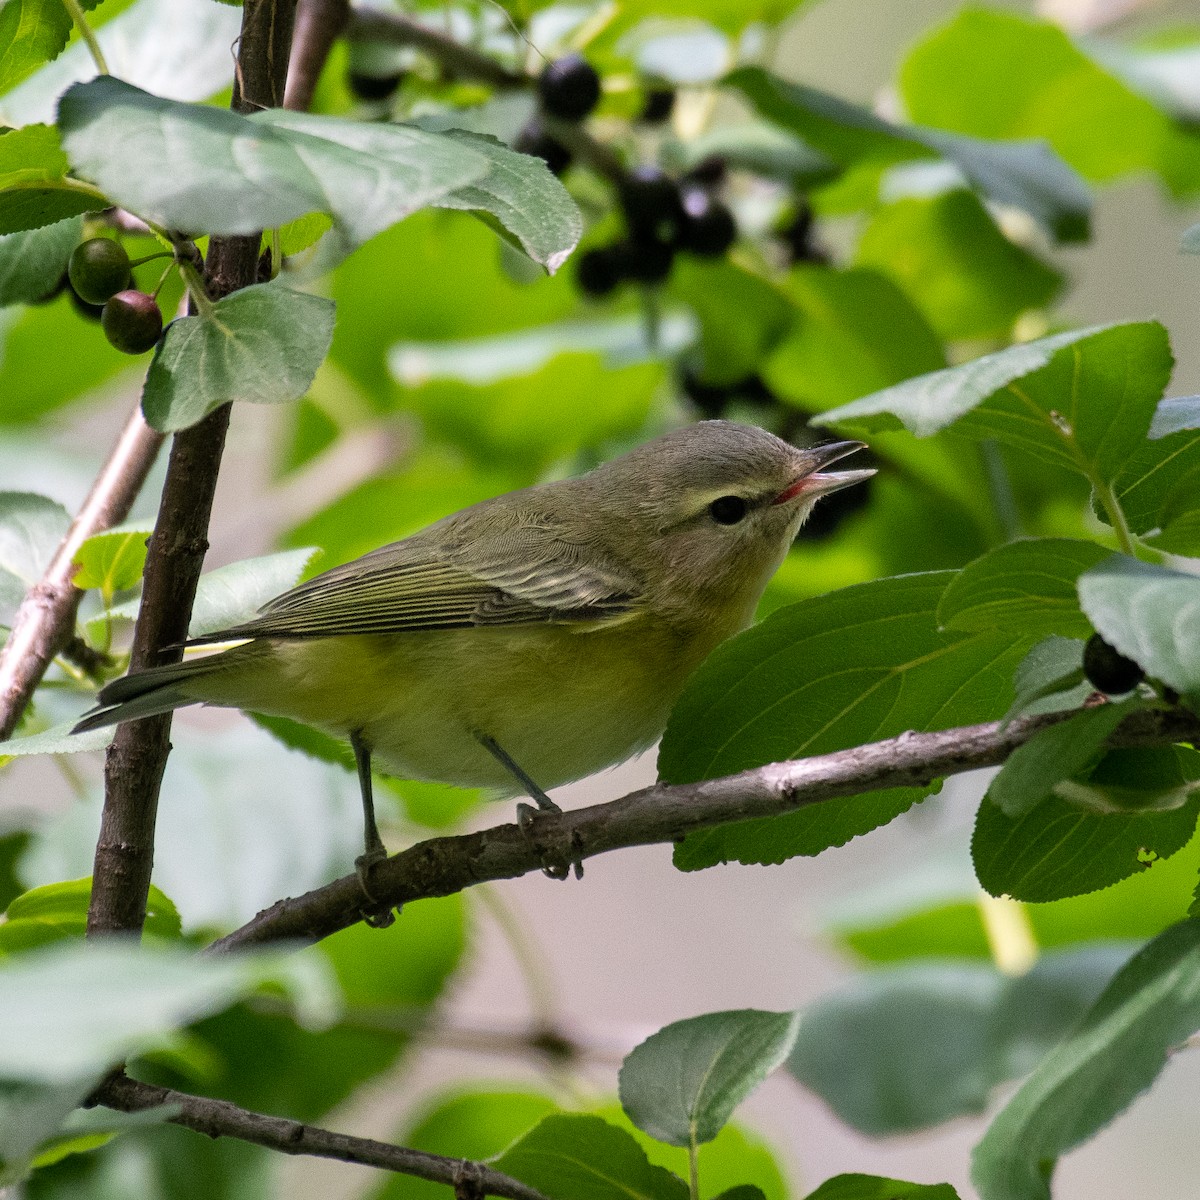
99 268
131 322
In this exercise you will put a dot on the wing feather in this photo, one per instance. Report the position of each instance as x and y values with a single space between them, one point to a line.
531 574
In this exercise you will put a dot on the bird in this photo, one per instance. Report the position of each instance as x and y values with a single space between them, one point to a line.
529 640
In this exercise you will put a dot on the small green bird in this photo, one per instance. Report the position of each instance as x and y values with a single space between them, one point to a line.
528 640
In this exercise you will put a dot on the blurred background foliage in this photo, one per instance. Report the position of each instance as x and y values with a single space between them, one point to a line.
873 244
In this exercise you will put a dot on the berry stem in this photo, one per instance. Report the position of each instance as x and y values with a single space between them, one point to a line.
87 34
163 277
137 262
195 287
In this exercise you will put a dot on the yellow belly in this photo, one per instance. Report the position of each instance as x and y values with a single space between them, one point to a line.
563 701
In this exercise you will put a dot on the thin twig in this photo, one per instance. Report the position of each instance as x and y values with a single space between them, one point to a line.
368 25
45 623
666 813
220 1118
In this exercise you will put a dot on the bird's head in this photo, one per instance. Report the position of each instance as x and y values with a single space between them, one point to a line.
717 504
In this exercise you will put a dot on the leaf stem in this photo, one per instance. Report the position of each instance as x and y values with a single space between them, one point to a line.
1116 517
693 1167
87 34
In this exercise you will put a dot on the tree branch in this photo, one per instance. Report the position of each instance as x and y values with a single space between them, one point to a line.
138 755
45 622
318 24
665 813
220 1118
368 25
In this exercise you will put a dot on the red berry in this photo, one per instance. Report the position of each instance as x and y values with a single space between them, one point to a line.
131 322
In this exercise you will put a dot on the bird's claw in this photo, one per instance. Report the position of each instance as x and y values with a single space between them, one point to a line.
378 916
527 817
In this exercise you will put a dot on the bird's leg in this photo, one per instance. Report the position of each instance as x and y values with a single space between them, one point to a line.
526 814
378 916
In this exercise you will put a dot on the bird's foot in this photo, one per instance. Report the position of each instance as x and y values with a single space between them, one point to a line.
378 916
527 817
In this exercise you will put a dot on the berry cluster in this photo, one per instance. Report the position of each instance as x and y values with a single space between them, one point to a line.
100 280
662 217
568 89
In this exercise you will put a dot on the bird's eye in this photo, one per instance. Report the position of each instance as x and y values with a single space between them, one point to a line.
728 510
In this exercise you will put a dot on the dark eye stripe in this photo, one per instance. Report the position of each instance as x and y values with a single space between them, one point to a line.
728 510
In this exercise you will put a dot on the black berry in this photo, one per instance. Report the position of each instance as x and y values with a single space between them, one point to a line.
796 234
709 172
708 227
99 268
132 322
658 106
569 88
533 139
645 260
599 271
374 87
1108 670
652 204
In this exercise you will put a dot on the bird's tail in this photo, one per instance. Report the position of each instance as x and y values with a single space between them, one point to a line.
146 693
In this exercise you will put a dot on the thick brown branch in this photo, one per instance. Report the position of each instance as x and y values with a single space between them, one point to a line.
45 622
665 813
367 25
219 1118
138 755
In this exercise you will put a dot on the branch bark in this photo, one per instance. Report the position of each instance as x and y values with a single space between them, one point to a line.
138 755
45 622
666 813
220 1118
318 24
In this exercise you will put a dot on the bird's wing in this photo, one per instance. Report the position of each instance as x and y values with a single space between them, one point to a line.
528 575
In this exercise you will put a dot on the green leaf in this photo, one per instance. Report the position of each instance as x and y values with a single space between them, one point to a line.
31 527
136 997
735 1156
474 1124
948 255
910 1047
1150 1008
262 344
836 671
683 1083
1159 489
521 197
1072 747
1025 586
1001 75
585 1158
56 740
232 594
208 170
31 32
1024 174
1082 400
112 561
742 316
759 148
59 910
1050 678
855 332
1150 614
876 1187
32 262
1059 849
33 186
30 1116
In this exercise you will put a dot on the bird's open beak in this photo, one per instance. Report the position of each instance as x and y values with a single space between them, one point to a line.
813 481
